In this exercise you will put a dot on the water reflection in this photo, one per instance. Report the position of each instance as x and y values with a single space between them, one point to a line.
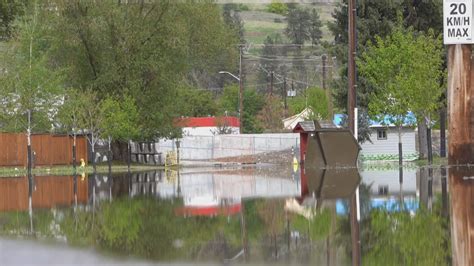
258 215
461 187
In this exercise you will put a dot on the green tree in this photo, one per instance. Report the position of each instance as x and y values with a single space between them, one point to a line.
375 18
10 10
253 103
406 69
315 28
144 49
91 119
30 91
299 24
231 15
271 115
196 102
315 98
69 116
277 7
120 122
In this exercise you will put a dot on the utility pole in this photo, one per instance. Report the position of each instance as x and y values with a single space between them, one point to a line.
442 132
285 94
351 105
241 91
460 149
271 83
324 59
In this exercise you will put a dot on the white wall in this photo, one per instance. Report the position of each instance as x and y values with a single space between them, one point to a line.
220 146
390 145
390 178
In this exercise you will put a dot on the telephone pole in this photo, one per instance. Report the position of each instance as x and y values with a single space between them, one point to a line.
351 105
241 91
285 94
271 83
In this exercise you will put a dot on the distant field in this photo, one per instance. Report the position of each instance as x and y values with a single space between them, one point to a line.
259 24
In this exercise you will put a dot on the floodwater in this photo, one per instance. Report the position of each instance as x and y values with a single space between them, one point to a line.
232 216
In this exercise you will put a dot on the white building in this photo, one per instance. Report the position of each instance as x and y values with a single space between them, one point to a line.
384 140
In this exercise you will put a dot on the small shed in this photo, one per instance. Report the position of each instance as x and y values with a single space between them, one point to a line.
304 128
309 128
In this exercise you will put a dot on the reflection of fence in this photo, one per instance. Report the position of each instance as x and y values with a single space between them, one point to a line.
49 192
221 146
49 149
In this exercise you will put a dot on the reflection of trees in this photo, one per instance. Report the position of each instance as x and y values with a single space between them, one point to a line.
17 223
394 237
272 214
343 231
149 228
403 239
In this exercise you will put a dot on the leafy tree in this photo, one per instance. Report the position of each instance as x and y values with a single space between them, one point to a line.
277 7
315 98
69 116
253 103
406 68
233 20
30 91
196 102
10 10
91 119
144 49
271 115
120 122
376 18
299 23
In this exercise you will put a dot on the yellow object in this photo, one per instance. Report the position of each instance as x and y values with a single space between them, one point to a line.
295 164
83 163
171 175
171 159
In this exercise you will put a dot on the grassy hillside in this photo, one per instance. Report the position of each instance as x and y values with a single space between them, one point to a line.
259 23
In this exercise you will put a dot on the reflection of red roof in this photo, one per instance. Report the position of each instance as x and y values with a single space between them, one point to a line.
209 210
208 121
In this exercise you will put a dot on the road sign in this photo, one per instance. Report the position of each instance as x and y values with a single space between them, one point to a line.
457 22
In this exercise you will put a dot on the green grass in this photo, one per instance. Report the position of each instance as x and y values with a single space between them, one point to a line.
258 23
68 169
436 161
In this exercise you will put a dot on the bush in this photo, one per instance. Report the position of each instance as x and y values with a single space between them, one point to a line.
277 8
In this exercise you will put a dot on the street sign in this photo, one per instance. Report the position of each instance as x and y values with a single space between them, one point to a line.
457 22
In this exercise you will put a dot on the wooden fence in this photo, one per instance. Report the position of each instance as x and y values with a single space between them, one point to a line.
48 149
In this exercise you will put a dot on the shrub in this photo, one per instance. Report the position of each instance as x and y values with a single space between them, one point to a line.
277 7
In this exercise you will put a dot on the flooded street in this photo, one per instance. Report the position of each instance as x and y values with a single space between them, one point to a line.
253 215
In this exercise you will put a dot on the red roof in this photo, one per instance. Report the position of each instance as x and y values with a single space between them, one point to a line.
208 121
209 211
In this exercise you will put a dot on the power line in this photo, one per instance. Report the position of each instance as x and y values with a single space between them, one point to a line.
285 58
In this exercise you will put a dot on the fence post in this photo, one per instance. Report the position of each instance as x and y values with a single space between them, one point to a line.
212 148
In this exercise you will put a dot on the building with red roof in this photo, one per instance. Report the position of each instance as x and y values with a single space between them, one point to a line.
209 126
